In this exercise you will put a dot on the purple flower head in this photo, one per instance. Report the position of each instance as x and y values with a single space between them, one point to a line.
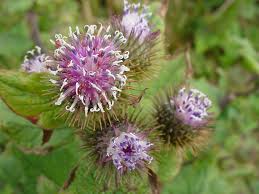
35 61
191 107
135 20
129 151
89 68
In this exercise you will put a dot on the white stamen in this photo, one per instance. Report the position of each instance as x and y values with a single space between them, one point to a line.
86 111
65 82
77 30
77 86
126 55
100 106
95 86
100 29
70 34
81 97
122 78
52 41
71 64
123 68
107 36
31 52
91 73
115 89
38 49
103 49
117 62
94 109
62 96
105 97
114 93
110 104
53 81
108 28
72 108
110 74
54 72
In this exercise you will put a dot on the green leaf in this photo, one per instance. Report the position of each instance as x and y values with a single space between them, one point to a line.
8 165
17 129
46 186
201 177
169 165
26 94
248 53
13 6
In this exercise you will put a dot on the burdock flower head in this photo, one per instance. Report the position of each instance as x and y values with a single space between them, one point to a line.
135 20
35 61
89 69
129 151
143 39
122 147
184 119
191 107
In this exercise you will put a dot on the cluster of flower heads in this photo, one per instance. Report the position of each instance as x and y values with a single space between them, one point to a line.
89 70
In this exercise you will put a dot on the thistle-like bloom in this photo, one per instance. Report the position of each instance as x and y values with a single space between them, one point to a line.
143 40
191 107
89 68
120 146
183 119
128 151
135 20
35 61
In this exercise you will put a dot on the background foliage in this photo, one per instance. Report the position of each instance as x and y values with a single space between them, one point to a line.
222 37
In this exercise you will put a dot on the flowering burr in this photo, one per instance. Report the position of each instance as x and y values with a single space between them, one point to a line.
35 61
143 40
90 70
135 20
183 119
121 147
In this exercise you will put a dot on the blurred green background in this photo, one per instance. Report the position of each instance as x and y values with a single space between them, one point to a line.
223 41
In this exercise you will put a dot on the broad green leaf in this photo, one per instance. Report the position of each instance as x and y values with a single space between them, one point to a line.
17 129
201 177
11 171
24 93
168 166
27 95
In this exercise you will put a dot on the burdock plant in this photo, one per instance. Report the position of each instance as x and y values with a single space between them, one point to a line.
91 76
